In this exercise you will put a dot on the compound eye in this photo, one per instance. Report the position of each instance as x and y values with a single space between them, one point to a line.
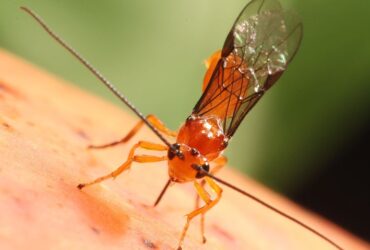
205 166
201 174
170 154
175 151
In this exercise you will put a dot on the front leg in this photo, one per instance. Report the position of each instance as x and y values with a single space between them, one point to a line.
216 165
202 210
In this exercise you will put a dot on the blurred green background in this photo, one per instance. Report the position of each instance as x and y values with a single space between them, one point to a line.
153 51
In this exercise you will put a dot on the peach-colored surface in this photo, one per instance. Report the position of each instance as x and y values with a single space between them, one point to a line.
45 126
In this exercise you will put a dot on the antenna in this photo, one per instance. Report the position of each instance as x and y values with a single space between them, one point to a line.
96 73
200 169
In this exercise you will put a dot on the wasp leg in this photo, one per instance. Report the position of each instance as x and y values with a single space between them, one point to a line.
132 158
211 64
158 124
217 163
202 210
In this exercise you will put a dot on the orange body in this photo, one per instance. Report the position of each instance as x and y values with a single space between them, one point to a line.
201 140
232 89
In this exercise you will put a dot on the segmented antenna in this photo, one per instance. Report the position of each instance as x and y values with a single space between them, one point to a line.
95 72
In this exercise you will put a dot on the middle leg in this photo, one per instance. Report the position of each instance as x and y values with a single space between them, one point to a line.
132 158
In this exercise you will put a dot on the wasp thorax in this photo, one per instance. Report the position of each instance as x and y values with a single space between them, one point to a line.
181 162
203 134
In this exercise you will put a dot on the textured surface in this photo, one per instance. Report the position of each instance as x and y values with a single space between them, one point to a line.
45 126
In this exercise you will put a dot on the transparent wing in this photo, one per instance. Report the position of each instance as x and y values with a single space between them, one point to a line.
257 50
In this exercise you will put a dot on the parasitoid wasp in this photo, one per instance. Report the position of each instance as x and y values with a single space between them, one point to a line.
261 43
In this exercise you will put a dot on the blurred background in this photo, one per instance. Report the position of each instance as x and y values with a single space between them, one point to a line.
308 138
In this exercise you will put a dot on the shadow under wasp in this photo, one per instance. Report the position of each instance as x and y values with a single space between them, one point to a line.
261 43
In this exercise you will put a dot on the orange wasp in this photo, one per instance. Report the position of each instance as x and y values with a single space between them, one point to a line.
261 43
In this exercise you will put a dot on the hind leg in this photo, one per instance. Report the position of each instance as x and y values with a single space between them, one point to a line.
158 124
